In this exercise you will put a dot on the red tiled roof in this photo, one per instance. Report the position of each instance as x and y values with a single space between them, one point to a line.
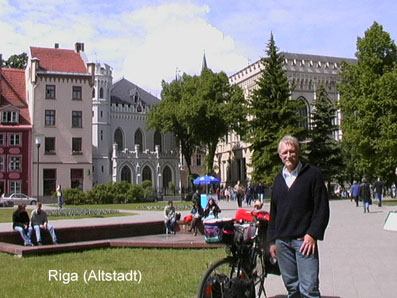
59 60
13 91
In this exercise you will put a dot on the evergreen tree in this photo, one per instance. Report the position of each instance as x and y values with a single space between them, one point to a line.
369 106
271 116
324 150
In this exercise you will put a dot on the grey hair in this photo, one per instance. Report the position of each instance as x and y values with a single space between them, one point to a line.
288 139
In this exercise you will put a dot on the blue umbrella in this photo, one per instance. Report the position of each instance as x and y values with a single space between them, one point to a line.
205 180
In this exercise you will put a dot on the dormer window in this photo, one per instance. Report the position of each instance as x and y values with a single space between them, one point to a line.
10 117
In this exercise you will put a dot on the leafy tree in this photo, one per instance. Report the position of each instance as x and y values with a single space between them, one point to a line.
172 114
17 61
324 150
369 106
199 110
272 115
217 107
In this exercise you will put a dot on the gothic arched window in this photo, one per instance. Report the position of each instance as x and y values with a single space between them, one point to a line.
303 113
118 139
146 174
157 140
101 93
126 174
167 177
138 139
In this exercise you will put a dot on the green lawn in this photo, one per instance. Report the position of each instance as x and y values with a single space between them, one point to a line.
6 215
164 273
388 202
138 206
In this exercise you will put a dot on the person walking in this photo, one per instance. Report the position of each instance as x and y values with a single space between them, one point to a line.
239 190
260 190
365 194
379 188
355 191
299 212
60 196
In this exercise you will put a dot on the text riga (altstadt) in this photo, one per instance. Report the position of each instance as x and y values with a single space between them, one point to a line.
133 276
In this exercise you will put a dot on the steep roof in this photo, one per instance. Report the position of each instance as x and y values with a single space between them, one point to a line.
59 60
122 90
13 91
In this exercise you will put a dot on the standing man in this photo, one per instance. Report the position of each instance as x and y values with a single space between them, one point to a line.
378 186
39 222
299 213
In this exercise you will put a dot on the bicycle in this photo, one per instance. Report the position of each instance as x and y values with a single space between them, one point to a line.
243 272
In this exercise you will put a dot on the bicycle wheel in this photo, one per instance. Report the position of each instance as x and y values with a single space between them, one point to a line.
226 279
259 275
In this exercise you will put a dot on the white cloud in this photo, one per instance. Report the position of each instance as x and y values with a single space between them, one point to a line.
144 45
176 36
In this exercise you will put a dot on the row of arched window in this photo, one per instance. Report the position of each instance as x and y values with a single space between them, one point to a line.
119 139
147 174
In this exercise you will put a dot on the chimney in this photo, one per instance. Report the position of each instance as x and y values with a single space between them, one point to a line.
79 47
34 67
56 46
91 70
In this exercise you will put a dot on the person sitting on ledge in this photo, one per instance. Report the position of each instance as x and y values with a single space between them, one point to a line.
197 213
169 218
212 210
20 223
39 221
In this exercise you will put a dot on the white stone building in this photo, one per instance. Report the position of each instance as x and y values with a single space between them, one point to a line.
306 73
124 149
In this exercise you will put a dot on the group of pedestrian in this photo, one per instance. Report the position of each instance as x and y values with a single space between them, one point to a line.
37 222
362 192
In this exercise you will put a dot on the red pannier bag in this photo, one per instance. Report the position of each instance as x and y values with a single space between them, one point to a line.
188 218
244 215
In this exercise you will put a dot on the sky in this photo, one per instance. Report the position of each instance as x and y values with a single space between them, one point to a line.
150 41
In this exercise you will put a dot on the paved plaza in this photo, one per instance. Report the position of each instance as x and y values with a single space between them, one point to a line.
357 258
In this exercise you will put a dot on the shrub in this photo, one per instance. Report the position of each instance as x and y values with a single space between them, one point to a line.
101 194
74 196
171 186
147 184
135 193
120 191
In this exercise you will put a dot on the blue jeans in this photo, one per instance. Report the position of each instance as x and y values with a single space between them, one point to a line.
299 272
50 229
26 234
379 196
170 225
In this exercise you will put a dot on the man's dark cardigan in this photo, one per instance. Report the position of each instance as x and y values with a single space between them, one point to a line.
301 209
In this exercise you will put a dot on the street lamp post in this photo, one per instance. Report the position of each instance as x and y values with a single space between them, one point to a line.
38 141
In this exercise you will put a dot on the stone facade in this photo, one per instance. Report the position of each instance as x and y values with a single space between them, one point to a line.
59 93
306 73
124 149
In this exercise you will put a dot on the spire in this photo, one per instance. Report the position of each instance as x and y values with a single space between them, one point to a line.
204 64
